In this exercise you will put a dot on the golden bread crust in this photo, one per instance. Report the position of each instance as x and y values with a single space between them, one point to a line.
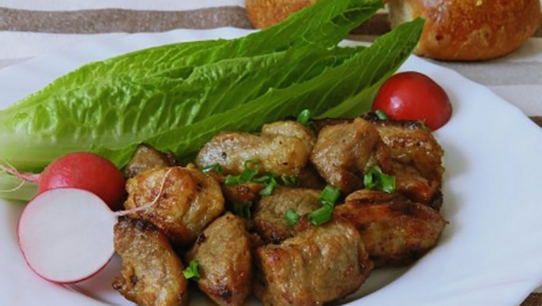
468 30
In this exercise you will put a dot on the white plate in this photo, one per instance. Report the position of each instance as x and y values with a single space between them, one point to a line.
490 254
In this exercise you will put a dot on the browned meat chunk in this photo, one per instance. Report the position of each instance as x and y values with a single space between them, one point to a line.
188 201
394 229
250 191
344 151
283 147
225 261
146 158
151 272
417 158
319 265
241 193
310 178
270 211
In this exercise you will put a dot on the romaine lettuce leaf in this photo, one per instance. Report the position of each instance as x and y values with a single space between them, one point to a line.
324 23
344 89
182 106
125 111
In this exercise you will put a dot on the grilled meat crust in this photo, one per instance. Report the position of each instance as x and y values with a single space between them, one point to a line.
269 212
188 202
146 158
317 266
151 271
310 178
394 230
250 192
417 157
283 148
343 151
243 193
225 260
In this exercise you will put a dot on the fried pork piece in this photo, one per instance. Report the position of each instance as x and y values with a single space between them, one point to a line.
151 272
283 147
225 261
269 212
417 158
242 193
343 152
146 158
394 230
319 265
188 201
310 178
250 192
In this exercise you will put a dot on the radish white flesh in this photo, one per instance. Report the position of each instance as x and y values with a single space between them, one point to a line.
66 234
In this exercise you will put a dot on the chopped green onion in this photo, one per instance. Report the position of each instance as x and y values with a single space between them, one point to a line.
381 115
269 188
214 167
192 271
304 117
269 179
242 209
329 195
289 180
271 182
264 179
388 183
248 175
291 217
375 179
370 179
321 215
245 177
231 180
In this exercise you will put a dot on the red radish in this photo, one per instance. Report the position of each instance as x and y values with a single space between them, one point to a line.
66 234
82 170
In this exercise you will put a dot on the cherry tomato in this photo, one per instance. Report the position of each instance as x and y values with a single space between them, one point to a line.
414 96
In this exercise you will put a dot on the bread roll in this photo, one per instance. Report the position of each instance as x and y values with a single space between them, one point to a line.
469 30
265 13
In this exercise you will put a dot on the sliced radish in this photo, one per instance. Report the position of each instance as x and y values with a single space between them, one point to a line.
66 234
